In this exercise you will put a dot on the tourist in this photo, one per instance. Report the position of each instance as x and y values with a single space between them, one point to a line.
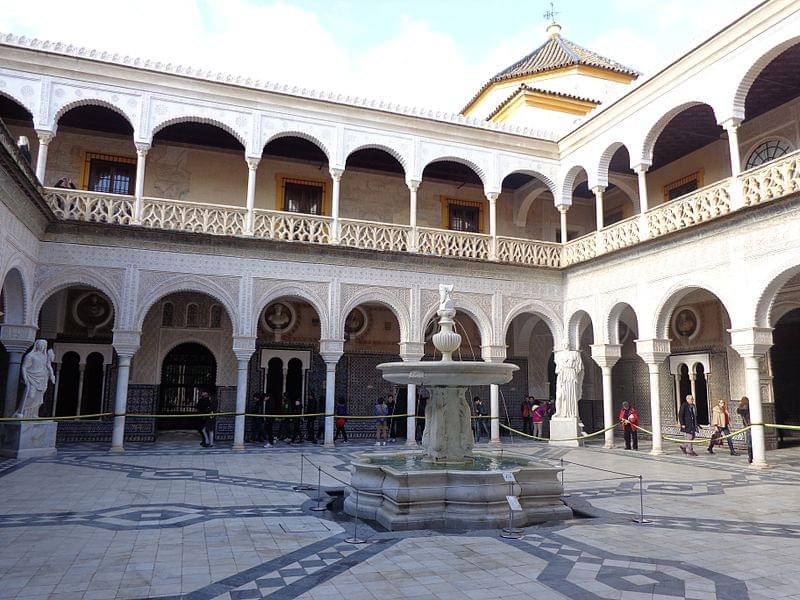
257 407
271 407
689 427
549 408
24 148
392 424
525 410
312 408
340 410
480 420
419 421
381 429
297 411
284 426
743 411
538 412
629 419
206 406
721 420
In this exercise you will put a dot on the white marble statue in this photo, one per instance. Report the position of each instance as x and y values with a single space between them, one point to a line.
446 297
569 369
37 372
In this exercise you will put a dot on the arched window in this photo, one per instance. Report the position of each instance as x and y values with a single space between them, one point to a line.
168 314
192 315
767 151
215 317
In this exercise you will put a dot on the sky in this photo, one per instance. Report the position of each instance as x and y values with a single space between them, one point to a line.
425 53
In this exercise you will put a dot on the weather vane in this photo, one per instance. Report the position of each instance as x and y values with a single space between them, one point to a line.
550 15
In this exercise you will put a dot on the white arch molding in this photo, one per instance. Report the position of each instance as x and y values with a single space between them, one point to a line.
481 173
15 297
70 278
748 78
469 308
386 300
94 101
190 118
393 152
613 319
654 131
296 292
540 310
674 296
578 322
309 137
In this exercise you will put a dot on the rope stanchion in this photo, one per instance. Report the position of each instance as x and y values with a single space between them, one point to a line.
302 487
641 520
355 539
319 508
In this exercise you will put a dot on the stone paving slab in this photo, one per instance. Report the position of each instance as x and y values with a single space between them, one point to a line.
173 520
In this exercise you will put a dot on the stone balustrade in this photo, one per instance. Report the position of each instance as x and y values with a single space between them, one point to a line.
776 179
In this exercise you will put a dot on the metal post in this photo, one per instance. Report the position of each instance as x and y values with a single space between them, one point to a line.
641 520
511 532
302 487
355 539
319 508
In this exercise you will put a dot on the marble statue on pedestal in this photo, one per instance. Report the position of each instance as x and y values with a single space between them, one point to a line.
569 369
37 373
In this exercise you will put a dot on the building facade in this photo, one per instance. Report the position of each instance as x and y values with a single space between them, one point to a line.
181 230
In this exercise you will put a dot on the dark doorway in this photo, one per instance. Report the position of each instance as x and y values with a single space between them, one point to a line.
92 400
701 389
785 361
294 379
275 378
68 382
188 369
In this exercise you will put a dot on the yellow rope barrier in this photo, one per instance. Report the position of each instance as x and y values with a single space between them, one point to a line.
541 439
696 440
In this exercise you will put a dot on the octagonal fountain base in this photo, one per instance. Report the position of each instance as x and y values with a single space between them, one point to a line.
401 491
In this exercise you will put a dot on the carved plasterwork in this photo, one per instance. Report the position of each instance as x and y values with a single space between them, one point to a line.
477 159
266 291
25 89
323 135
399 147
52 277
65 95
396 299
166 111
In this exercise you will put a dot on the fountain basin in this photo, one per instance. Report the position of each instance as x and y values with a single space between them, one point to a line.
447 373
401 491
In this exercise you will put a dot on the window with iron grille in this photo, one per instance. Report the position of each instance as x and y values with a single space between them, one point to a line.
110 174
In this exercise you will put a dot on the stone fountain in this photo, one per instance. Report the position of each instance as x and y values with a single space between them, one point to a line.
447 484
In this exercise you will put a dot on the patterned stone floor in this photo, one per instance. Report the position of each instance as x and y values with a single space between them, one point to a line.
174 521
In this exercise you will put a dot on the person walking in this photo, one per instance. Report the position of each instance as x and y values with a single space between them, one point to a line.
629 419
381 429
689 426
480 421
207 404
743 410
312 408
721 420
257 407
392 422
340 410
537 418
525 410
284 427
271 407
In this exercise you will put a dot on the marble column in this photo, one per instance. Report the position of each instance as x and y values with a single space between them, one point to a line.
16 339
252 166
242 365
752 383
732 128
336 175
562 209
45 137
125 343
640 171
81 372
606 356
413 188
492 197
330 400
654 352
411 420
598 205
138 204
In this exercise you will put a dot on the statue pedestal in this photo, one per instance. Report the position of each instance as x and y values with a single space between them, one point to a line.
564 430
28 439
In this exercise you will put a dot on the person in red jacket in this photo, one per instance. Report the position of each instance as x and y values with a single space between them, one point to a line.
629 419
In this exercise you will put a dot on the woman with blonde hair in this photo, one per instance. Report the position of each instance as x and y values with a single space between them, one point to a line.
720 421
744 411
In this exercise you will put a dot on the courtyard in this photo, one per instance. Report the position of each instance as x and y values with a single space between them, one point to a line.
173 520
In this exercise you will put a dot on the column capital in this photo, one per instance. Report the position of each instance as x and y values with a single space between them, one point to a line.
126 343
17 338
413 184
731 124
641 168
653 351
563 208
142 148
606 355
492 196
244 347
598 190
252 162
493 354
412 350
751 342
45 136
331 350
336 173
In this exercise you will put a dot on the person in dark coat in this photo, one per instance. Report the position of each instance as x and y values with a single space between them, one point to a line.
525 410
284 426
207 404
419 422
392 423
481 423
257 407
272 407
743 410
312 407
689 426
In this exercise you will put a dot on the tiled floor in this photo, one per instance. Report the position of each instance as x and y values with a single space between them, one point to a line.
172 520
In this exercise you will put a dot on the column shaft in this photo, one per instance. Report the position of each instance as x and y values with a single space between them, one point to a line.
412 217
598 207
81 371
138 206
252 165
563 214
411 421
752 379
608 407
120 404
241 404
494 412
655 406
337 178
41 156
644 205
492 226
733 146
330 395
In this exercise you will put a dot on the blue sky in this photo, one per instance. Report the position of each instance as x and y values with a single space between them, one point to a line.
431 53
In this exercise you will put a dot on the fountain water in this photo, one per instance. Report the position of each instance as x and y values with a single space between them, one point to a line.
448 484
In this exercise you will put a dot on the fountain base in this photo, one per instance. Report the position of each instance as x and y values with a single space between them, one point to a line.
401 491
